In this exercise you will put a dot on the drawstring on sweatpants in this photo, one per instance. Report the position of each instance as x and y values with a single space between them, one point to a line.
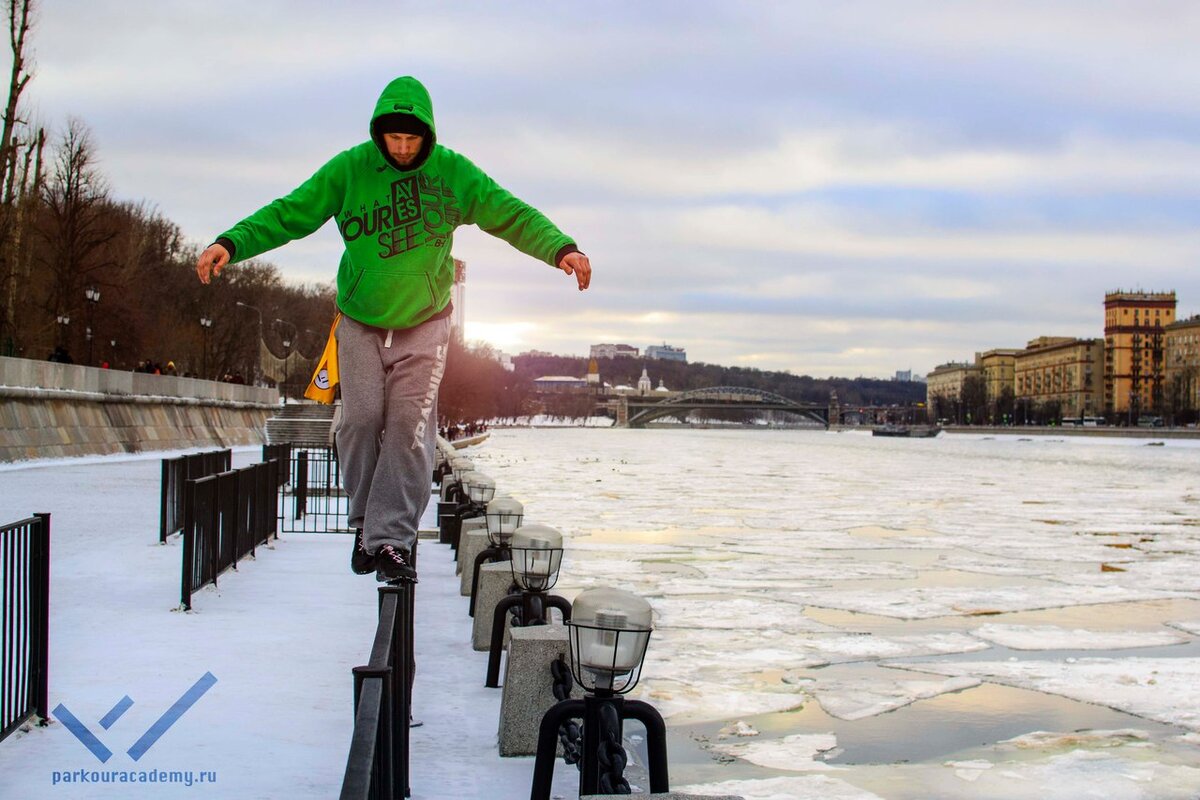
388 341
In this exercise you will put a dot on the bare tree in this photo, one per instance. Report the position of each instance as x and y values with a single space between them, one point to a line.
78 228
14 180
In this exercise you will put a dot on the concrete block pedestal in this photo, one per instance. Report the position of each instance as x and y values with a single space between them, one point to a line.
529 686
470 545
494 583
460 557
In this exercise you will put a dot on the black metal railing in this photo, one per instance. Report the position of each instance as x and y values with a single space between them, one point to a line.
226 516
24 622
377 766
313 501
176 472
283 454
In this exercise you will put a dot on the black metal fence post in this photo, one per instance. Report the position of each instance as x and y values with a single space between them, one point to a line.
40 586
300 485
24 622
164 500
189 548
381 742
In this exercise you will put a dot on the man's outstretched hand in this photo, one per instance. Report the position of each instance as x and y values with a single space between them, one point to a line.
214 259
576 264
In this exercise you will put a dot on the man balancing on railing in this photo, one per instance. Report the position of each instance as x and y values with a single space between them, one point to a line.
397 199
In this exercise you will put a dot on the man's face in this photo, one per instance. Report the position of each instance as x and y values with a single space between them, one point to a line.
403 147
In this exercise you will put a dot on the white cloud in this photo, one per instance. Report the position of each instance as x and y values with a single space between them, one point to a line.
831 188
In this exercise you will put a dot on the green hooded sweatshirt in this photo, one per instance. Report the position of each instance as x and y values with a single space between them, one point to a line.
398 224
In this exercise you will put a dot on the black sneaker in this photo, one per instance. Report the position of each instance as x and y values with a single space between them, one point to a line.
393 566
361 562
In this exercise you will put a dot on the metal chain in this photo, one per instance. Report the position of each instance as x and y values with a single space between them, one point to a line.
611 754
569 733
515 614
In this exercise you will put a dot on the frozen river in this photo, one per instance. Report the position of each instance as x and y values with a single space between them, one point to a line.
842 616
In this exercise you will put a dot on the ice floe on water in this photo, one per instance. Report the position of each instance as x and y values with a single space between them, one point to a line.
743 540
796 753
1075 775
857 699
940 601
808 787
680 701
1051 637
734 613
1162 689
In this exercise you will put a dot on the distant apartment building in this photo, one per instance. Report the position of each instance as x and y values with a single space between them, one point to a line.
665 352
1061 370
1181 341
903 376
1134 350
458 299
943 386
998 368
613 351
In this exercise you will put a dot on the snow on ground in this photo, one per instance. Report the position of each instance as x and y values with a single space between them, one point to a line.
1052 637
280 636
1163 689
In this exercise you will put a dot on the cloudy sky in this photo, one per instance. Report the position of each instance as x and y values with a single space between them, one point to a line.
848 188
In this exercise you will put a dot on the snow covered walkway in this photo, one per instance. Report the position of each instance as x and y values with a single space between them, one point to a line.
280 637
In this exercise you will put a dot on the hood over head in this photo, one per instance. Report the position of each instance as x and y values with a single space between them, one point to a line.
404 96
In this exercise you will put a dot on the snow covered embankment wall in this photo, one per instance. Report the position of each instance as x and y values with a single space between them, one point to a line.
51 410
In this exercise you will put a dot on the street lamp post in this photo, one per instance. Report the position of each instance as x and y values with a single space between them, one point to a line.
63 321
258 344
92 295
535 557
288 341
206 326
607 636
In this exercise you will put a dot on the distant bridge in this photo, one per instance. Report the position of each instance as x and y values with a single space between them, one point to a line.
635 411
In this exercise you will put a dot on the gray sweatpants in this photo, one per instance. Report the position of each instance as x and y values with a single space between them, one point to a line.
386 435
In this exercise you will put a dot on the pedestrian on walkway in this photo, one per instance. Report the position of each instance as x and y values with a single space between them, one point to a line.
397 200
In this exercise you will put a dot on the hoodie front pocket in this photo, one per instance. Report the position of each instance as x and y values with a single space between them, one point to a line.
390 298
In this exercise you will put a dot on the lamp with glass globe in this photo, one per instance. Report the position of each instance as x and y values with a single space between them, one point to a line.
536 554
503 515
480 489
609 630
449 495
451 517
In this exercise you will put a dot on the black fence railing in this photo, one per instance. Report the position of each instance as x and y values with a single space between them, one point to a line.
176 472
377 766
312 500
283 454
226 516
24 622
